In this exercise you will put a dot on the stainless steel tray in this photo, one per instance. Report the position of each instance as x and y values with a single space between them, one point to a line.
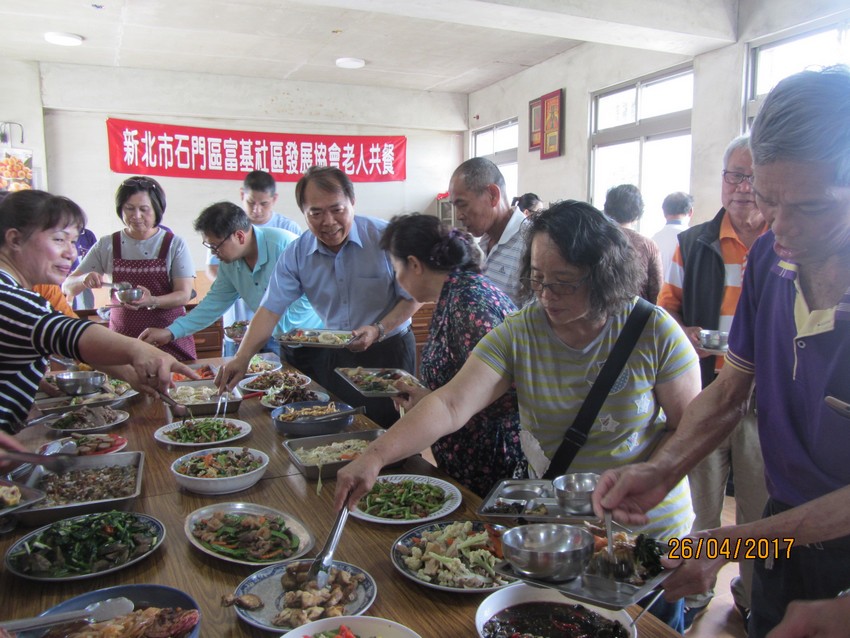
593 590
329 470
206 408
61 405
44 515
389 391
531 500
311 338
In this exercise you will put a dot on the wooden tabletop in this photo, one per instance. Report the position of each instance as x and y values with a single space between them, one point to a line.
178 564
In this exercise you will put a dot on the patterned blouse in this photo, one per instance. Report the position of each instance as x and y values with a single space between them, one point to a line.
487 448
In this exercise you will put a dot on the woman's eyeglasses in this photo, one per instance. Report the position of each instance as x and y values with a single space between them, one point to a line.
559 288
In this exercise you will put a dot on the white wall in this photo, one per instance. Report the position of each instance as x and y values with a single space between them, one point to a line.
20 101
77 100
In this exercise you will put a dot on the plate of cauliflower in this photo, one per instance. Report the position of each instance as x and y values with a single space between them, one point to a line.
456 556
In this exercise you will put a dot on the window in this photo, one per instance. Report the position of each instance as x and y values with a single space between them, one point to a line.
642 135
499 144
774 61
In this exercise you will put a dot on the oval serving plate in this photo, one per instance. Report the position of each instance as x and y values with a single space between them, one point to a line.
61 405
320 396
452 502
362 625
266 584
305 538
143 596
157 531
246 384
270 363
119 443
408 540
122 416
161 433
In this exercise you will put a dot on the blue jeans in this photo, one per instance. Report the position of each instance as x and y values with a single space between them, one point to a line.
673 614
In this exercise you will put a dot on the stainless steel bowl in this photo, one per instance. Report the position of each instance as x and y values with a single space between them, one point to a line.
548 551
80 382
133 294
713 339
574 491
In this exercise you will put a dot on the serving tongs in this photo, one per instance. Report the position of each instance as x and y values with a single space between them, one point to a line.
329 416
57 463
324 559
96 612
177 409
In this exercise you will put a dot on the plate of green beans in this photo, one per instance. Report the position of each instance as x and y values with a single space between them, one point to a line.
202 431
403 499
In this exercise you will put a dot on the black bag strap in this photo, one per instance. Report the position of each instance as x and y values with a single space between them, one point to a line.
576 436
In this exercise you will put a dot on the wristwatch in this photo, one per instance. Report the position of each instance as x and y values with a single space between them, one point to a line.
382 332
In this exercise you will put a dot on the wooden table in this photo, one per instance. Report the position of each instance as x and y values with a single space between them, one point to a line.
427 611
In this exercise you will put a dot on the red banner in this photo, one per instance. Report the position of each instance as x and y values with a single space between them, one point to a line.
145 148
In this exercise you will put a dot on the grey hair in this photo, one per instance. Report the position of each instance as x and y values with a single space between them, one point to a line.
478 173
806 118
742 141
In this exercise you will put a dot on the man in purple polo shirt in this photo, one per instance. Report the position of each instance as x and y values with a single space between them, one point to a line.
791 335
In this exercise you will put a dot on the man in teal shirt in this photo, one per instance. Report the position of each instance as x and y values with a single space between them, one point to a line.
248 255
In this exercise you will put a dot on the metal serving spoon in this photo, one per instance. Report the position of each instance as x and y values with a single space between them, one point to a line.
96 612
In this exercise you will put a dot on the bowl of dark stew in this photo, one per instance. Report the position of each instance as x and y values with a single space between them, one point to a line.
521 609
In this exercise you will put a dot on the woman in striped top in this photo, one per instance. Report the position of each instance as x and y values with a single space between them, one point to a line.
37 234
583 273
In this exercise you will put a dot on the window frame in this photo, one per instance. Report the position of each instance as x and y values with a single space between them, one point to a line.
507 156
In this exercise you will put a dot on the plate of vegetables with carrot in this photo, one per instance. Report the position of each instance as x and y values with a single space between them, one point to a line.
247 533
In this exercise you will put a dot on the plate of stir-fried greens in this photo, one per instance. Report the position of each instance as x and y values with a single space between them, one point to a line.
85 546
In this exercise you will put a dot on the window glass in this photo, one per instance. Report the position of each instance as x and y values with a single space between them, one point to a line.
666 169
511 174
616 109
483 143
777 61
613 165
507 137
667 96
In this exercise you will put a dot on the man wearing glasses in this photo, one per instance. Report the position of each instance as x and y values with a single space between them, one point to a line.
701 292
341 268
248 255
259 196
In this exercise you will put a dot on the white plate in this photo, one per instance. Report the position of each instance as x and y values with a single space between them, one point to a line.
266 584
522 593
406 540
360 625
305 538
244 430
122 416
453 500
156 527
268 356
320 396
244 384
58 443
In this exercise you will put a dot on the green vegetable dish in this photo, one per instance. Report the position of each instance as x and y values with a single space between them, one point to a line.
406 500
203 431
220 464
247 537
84 545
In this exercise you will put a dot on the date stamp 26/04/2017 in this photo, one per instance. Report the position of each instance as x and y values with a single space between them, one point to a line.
729 549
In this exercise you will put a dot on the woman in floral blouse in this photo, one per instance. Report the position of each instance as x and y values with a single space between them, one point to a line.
434 262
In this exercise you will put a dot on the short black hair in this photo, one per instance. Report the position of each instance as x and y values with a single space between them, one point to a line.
260 181
328 179
31 211
141 184
624 203
221 220
433 242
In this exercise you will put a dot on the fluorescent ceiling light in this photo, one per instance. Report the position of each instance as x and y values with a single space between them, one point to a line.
63 39
350 63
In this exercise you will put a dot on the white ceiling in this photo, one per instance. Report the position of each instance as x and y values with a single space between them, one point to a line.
431 45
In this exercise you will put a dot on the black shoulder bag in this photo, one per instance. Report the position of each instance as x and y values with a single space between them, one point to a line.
576 436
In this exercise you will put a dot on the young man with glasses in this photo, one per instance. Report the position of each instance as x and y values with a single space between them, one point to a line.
258 194
341 268
248 255
701 292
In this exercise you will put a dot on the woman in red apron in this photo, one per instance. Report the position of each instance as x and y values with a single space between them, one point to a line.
147 256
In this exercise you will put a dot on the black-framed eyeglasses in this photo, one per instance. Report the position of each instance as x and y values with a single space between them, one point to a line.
140 182
559 288
214 247
733 177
